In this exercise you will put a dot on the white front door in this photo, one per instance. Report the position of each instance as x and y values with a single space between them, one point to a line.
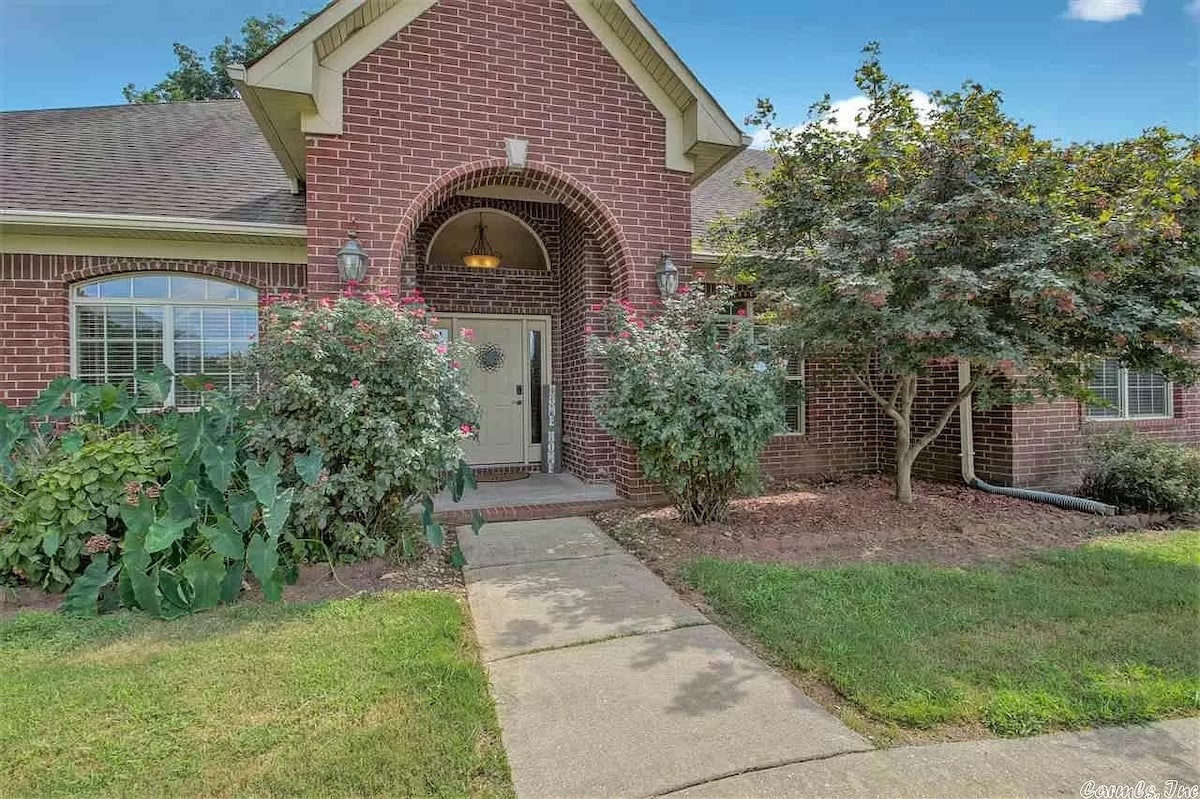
496 377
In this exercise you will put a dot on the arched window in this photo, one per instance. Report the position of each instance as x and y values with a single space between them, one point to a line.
518 245
196 326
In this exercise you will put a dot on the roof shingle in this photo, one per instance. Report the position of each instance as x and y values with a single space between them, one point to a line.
725 192
204 160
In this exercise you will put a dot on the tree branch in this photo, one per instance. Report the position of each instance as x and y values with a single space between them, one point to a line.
888 407
944 417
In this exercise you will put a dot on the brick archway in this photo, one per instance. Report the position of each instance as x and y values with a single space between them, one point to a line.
258 276
554 182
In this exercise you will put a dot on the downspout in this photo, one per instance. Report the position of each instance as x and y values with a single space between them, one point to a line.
966 432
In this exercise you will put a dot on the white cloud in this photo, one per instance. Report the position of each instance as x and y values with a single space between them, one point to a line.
1193 9
1102 10
843 115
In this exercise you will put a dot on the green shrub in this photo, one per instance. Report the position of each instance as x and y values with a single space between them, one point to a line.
694 395
71 499
168 547
365 379
1139 473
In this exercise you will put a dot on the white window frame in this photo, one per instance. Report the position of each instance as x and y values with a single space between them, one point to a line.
168 341
1122 409
802 408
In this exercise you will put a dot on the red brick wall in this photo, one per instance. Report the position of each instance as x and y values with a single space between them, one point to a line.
841 433
34 307
426 116
444 93
1050 438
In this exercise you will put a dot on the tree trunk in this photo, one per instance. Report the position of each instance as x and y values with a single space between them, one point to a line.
904 465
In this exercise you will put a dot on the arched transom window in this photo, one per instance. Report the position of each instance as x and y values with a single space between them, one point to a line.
509 236
196 326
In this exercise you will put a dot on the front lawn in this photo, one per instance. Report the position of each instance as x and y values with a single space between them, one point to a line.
1104 634
380 695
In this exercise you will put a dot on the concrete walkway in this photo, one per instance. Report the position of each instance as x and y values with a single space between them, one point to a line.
608 684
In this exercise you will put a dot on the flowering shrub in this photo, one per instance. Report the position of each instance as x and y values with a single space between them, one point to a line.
366 380
694 395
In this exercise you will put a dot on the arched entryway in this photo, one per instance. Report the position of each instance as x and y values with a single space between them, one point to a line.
531 321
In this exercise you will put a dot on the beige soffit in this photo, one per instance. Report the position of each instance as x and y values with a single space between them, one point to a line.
139 236
295 89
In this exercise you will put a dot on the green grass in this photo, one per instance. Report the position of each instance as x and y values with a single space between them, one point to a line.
1106 634
375 696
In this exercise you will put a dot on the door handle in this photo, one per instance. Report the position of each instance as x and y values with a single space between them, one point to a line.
518 402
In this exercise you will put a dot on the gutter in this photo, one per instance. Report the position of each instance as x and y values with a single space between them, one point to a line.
150 224
966 432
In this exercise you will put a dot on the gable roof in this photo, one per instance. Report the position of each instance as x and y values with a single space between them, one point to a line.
205 161
295 89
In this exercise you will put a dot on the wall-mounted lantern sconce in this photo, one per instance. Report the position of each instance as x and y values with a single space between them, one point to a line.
668 276
516 150
352 260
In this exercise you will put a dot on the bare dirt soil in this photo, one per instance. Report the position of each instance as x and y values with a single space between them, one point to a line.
858 521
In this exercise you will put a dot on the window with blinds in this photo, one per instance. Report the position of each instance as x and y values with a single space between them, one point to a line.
793 386
1126 394
198 327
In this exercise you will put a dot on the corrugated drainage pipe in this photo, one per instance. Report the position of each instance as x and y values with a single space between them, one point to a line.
966 431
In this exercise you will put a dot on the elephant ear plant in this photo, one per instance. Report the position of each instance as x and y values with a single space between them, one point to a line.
193 513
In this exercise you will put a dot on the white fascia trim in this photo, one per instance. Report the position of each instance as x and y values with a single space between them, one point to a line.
145 222
676 158
719 121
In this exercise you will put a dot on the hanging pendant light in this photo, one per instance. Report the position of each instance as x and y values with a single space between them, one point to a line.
481 255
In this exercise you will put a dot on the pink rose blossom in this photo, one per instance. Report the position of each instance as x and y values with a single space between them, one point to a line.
467 333
455 365
466 429
441 349
355 383
587 328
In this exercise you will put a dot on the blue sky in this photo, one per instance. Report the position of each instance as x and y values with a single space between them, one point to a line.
1076 69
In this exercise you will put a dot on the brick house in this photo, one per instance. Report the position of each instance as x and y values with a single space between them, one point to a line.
132 235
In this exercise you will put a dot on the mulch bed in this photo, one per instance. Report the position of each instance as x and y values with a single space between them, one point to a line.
858 521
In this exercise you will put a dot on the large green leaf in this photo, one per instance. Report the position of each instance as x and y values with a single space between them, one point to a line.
434 534
241 509
477 521
50 401
224 539
165 532
309 466
264 480
231 585
145 587
138 519
51 540
176 594
84 594
183 499
119 409
262 555
219 463
154 387
205 574
276 515
189 432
